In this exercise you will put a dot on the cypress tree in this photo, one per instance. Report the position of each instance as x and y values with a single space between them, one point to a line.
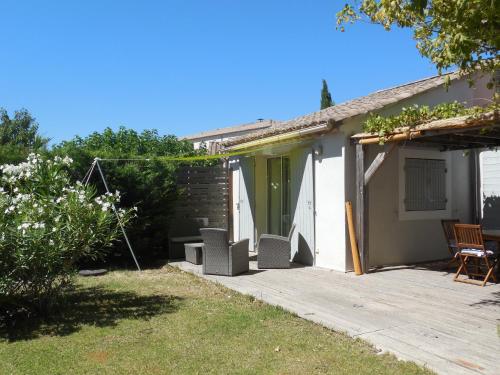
326 98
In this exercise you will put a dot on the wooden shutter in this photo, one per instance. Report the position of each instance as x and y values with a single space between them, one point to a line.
425 184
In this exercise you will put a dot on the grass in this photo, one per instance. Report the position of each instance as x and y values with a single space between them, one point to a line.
166 321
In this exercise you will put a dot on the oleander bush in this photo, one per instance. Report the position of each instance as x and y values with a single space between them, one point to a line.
47 225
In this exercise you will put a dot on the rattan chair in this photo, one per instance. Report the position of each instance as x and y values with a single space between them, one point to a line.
220 258
474 254
274 251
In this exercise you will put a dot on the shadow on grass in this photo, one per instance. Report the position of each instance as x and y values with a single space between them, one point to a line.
93 306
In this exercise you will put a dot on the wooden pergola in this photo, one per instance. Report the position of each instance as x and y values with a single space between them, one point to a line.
459 133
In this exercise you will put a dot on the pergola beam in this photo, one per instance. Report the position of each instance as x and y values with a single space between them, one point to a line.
378 161
453 142
362 208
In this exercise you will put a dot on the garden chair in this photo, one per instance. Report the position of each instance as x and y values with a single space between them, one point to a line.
471 249
449 234
221 258
274 251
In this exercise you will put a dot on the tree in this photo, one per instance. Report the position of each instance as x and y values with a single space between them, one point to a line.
151 185
326 98
19 136
451 33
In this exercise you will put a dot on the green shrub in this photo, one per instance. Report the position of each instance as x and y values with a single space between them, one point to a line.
47 225
148 185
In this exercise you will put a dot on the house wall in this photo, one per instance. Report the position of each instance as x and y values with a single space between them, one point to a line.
329 202
396 240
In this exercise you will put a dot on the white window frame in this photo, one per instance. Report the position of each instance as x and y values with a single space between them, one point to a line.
405 153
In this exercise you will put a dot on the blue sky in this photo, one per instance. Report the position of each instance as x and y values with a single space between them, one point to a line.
183 66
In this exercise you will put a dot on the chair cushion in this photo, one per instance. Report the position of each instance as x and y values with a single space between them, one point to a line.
476 252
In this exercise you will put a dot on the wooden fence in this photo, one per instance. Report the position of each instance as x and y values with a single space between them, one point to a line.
203 195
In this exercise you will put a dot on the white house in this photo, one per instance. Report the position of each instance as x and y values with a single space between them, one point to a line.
303 171
210 137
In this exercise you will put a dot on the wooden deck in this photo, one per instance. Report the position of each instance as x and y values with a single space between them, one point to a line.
417 312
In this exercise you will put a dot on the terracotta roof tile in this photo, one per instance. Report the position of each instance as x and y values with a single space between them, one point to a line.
346 110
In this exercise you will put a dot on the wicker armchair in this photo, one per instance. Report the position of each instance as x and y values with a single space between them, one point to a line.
220 258
275 251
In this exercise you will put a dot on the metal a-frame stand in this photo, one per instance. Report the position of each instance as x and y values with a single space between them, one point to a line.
86 180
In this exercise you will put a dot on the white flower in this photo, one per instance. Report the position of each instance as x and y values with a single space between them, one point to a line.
23 226
39 226
67 160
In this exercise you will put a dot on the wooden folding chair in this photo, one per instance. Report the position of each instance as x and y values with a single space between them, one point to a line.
471 249
449 234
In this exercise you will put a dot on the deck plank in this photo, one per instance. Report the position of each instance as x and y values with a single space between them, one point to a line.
416 313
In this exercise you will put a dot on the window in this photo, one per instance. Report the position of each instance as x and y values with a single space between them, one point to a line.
425 184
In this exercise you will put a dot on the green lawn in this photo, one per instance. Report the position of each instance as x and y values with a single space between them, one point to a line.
167 321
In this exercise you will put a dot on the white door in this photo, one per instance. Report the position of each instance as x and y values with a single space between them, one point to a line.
490 189
303 214
247 201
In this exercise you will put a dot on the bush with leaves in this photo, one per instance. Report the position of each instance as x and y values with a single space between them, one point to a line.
148 184
47 225
19 136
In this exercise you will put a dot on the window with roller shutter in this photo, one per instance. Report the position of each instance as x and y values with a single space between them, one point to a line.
425 184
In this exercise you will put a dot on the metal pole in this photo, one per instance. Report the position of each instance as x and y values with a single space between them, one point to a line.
117 216
87 176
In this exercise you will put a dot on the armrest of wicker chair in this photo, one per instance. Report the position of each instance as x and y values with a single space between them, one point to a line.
238 257
274 236
273 252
